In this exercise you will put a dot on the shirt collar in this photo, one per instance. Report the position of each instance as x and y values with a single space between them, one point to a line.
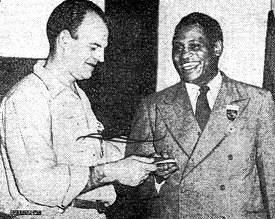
214 84
53 84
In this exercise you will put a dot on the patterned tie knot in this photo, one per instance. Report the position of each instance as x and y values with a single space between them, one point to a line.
204 89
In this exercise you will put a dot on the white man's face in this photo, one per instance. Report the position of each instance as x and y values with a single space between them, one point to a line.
87 50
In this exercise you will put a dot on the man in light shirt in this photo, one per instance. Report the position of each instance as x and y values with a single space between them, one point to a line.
219 131
48 168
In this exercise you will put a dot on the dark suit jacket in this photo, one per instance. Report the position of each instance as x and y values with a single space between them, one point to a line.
226 171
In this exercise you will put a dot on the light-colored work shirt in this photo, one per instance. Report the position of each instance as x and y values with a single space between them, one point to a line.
47 167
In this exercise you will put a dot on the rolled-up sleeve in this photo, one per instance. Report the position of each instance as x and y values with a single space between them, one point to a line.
29 145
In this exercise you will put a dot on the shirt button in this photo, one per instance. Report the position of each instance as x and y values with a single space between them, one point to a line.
230 157
222 187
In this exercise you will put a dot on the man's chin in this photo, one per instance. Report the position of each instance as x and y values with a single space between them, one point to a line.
189 78
87 77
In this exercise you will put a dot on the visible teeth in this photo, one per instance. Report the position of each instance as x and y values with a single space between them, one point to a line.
190 65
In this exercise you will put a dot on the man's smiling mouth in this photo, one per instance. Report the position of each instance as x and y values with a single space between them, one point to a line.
190 65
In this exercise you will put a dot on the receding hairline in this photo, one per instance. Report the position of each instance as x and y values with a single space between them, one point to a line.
95 17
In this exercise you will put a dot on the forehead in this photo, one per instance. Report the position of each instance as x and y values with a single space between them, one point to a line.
190 32
93 29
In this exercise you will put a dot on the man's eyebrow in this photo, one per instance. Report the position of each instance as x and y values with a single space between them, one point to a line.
95 44
191 41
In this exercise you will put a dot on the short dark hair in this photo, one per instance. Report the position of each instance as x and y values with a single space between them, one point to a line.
210 26
68 16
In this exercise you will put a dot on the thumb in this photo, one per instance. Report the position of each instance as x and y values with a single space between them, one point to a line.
165 154
142 159
149 167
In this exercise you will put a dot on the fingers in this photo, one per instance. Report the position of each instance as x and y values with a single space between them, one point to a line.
138 178
164 153
142 159
149 167
166 170
133 170
140 167
166 166
143 163
143 178
154 155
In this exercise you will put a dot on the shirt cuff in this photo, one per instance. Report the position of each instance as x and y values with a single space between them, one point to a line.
79 177
158 185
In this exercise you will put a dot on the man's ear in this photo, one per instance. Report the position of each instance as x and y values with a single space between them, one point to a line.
64 38
218 48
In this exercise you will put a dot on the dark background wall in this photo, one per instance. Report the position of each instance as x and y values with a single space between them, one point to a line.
129 70
11 71
130 74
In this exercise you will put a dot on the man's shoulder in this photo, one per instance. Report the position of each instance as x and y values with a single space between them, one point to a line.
164 94
251 90
28 87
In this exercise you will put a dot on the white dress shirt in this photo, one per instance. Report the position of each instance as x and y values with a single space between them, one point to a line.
214 87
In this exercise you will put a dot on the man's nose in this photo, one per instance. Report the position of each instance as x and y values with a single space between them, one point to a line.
187 54
99 55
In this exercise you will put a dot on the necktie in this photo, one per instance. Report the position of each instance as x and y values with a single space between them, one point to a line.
202 107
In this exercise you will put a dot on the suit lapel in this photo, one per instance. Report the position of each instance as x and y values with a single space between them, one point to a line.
219 126
177 114
176 111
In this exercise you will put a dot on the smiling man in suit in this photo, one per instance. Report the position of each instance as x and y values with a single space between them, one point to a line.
219 131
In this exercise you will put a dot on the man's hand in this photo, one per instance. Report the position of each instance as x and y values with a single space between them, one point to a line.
165 170
131 170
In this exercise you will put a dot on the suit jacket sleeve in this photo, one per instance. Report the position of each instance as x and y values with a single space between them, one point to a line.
28 144
143 129
265 159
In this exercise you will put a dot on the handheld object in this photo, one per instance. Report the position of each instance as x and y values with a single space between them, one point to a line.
161 160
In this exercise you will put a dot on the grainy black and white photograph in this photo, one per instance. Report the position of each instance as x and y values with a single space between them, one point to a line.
137 109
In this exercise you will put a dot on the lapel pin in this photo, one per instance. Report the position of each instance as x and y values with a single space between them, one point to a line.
232 112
